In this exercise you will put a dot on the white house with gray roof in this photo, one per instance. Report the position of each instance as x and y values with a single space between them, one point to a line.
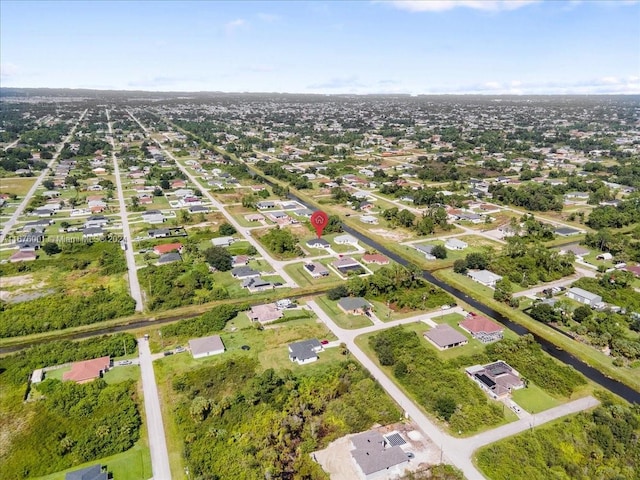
584 296
305 351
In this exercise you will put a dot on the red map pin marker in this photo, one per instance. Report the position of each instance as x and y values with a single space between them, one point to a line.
319 220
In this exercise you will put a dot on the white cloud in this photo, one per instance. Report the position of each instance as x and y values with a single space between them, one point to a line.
234 25
9 70
269 17
443 5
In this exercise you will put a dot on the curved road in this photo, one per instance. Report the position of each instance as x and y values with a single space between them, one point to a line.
459 451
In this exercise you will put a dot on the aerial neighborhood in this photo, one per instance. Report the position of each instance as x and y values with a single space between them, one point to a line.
173 308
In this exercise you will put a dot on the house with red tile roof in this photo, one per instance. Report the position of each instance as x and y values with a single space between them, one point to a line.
375 258
83 372
167 247
481 328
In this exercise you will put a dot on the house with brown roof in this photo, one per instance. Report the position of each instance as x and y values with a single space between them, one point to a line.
266 313
481 328
376 258
88 370
444 336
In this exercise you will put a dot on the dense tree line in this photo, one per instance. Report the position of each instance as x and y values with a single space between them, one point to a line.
602 444
614 217
276 171
242 424
59 311
535 197
73 424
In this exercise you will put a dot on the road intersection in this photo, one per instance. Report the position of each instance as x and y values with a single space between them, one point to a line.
457 451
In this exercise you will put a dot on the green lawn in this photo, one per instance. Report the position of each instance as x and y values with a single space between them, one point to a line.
342 319
297 272
122 373
134 464
533 399
18 185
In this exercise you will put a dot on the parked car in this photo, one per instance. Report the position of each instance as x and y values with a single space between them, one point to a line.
245 347
180 349
324 342
166 354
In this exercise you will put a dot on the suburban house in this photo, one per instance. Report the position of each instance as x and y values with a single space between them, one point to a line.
265 205
254 217
426 250
481 328
167 247
584 296
368 219
170 257
376 258
266 313
206 346
198 209
96 221
484 277
153 216
305 351
346 240
567 231
29 243
256 284
455 244
244 272
222 241
354 305
239 261
318 243
316 269
376 458
346 264
635 269
94 472
444 336
92 232
498 379
577 250
88 370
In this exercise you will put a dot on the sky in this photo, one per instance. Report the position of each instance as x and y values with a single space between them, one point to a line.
359 47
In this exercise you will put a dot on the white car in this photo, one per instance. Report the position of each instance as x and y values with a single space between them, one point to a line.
445 307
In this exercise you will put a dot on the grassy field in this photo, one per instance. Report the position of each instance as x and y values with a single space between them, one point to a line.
299 275
533 399
342 319
589 355
134 464
17 185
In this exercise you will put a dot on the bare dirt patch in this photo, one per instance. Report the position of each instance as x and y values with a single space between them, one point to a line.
395 236
17 281
337 461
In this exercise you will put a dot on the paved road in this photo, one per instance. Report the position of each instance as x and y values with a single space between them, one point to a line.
580 272
134 283
14 218
278 266
457 451
157 441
